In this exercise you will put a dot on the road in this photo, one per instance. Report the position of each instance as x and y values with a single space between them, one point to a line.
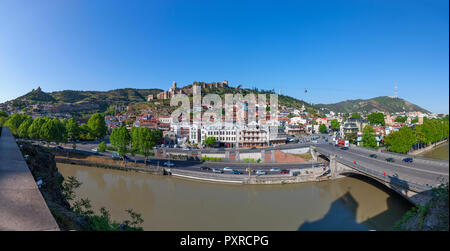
419 173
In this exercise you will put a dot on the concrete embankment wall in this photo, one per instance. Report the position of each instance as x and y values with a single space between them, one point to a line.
428 148
128 167
22 206
242 179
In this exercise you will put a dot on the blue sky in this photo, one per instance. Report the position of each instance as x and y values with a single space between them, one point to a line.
337 50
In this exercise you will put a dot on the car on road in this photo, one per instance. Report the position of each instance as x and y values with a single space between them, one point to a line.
94 150
186 149
115 156
253 148
274 169
148 161
390 160
83 143
344 148
216 170
168 163
284 171
125 157
236 172
59 148
409 160
227 169
373 155
261 172
205 168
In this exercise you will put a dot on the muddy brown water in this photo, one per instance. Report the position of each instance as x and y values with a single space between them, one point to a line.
170 203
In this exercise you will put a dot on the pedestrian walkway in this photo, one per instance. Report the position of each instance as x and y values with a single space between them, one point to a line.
22 206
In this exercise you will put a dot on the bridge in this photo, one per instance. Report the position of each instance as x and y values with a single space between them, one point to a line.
413 181
22 206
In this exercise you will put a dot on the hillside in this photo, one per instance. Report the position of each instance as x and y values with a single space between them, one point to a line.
384 103
99 101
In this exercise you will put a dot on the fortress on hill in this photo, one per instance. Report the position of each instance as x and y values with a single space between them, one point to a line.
174 90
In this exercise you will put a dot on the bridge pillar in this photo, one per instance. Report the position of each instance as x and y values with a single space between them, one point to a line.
313 151
263 155
164 153
333 166
272 156
227 154
237 157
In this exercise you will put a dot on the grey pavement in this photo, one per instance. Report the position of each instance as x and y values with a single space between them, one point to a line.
22 207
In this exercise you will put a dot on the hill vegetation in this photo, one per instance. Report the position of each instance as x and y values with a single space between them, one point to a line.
378 104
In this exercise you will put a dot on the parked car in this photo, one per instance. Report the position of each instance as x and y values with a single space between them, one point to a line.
253 148
236 172
260 172
59 148
227 169
94 150
205 168
373 155
274 169
125 157
187 149
344 148
216 170
390 160
285 171
409 160
169 164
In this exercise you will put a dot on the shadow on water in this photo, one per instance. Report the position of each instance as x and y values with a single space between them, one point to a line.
342 215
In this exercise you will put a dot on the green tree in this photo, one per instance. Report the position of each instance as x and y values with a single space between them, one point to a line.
400 141
61 135
136 140
401 119
101 147
97 125
415 120
73 130
322 128
335 125
49 131
369 137
120 138
210 141
14 122
35 128
3 120
376 118
22 131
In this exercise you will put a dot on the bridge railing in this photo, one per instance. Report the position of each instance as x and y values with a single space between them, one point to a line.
388 178
392 154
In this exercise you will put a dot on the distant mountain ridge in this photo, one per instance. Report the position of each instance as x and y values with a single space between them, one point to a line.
86 101
378 104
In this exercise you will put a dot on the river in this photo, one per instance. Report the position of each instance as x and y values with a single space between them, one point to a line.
440 152
170 203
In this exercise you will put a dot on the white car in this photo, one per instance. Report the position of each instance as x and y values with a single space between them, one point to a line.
274 169
227 169
95 150
260 172
169 164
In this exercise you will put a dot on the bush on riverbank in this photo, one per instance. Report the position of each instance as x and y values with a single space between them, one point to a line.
206 158
59 192
432 216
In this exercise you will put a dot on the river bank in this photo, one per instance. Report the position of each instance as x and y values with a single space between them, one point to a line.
168 203
439 152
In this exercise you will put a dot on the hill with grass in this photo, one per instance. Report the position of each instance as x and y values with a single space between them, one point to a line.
378 104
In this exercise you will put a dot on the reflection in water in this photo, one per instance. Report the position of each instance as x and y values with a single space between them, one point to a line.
169 203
